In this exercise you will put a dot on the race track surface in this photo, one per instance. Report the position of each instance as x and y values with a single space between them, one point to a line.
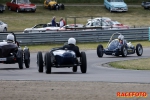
95 71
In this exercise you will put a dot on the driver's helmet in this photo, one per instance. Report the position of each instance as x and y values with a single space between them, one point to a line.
72 41
121 37
10 38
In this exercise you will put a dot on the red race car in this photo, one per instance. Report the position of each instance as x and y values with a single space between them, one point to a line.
21 5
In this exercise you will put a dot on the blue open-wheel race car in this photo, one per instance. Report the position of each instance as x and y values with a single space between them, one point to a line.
59 58
115 48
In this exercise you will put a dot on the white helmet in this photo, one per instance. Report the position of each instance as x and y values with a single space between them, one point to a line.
121 37
72 41
10 38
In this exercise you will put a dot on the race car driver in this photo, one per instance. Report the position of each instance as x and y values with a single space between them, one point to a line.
10 38
72 46
121 40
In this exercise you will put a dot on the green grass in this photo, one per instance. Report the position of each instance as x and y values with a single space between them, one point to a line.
136 16
138 64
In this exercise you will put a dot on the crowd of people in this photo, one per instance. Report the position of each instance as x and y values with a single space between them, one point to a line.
61 22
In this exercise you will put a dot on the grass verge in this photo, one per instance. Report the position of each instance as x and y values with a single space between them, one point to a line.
137 64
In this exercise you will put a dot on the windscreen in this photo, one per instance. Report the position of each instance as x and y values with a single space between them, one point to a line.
116 1
113 45
24 1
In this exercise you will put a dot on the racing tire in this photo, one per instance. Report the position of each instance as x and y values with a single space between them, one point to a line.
20 62
139 49
27 61
124 51
48 63
83 61
75 68
40 61
100 51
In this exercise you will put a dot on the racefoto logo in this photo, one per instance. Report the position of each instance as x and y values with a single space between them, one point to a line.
132 94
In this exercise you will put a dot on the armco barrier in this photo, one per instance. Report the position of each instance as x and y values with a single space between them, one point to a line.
81 36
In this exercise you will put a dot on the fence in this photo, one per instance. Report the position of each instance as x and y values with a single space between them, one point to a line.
81 36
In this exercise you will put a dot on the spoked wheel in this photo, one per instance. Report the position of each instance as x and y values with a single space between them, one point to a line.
124 51
83 61
100 51
74 69
40 61
48 63
139 49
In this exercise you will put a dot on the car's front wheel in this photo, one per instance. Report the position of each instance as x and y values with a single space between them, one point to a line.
100 50
5 29
83 61
139 49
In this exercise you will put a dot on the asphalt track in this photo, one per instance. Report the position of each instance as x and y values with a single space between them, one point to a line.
95 71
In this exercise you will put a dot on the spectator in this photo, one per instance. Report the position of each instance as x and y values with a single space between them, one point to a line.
53 21
62 22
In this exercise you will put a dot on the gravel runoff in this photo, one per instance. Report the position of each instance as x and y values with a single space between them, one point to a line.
47 90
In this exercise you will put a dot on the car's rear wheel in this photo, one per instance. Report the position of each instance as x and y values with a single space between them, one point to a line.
27 61
40 61
100 50
83 61
139 49
20 62
74 69
124 51
49 7
48 63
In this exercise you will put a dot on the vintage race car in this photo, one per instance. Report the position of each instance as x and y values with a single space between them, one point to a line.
59 58
21 5
11 53
116 49
53 5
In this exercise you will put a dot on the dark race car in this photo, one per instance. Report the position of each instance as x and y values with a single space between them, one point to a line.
11 53
145 4
59 58
116 49
2 8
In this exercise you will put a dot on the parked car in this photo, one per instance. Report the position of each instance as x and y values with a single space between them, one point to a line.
3 27
21 5
97 22
117 25
53 5
41 28
11 53
114 48
116 5
59 58
2 8
145 4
